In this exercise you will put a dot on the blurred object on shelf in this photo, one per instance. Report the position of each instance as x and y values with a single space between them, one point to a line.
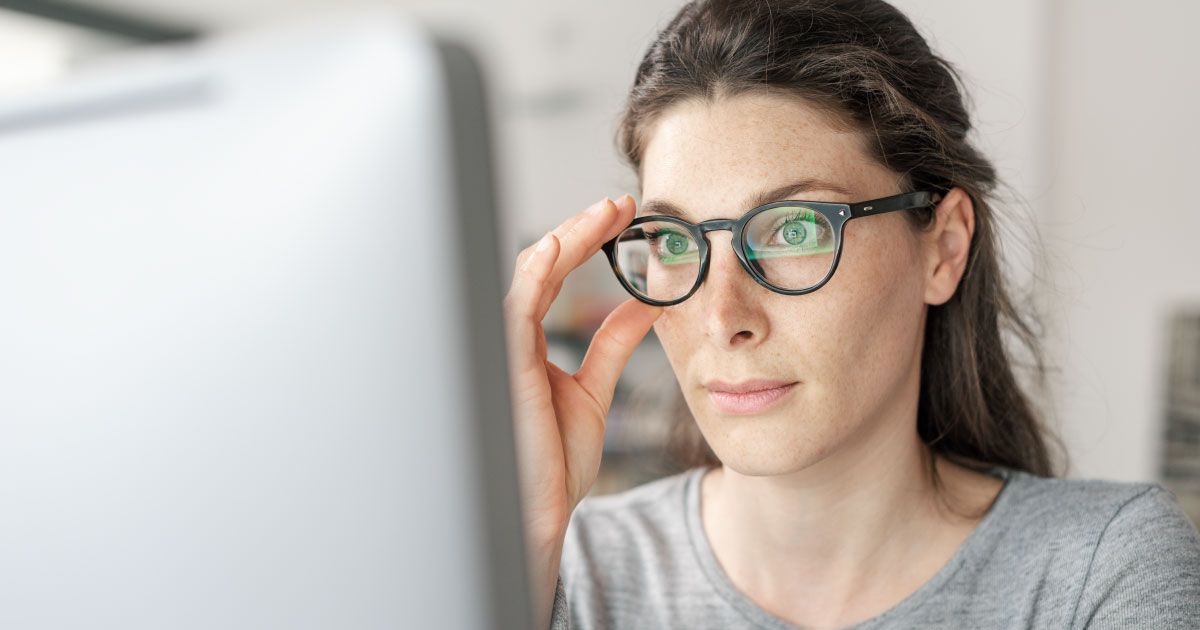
640 422
1181 438
38 52
646 399
639 433
587 313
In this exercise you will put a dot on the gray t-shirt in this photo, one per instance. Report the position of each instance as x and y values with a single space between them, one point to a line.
1049 553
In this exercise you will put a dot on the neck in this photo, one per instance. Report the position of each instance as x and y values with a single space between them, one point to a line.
837 514
852 532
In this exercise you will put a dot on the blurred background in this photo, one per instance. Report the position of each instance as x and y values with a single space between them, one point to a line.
1087 108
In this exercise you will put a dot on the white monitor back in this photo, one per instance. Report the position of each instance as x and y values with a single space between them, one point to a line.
251 357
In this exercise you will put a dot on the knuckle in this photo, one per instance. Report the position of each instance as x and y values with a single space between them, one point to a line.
603 339
574 229
521 258
534 280
519 299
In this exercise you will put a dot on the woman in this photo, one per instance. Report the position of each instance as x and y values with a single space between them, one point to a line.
866 457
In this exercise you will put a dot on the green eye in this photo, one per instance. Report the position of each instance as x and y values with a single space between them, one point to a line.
794 232
794 229
788 231
676 244
672 247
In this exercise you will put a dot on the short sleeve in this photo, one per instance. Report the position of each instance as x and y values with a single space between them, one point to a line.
559 617
1145 568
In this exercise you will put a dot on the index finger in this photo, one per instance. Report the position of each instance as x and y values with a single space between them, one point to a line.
583 236
579 238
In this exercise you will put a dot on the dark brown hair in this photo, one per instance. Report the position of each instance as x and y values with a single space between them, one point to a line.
864 64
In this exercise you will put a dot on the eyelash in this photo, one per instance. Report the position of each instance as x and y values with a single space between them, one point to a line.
795 216
652 236
791 217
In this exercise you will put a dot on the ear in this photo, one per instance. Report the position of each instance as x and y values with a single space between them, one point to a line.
947 244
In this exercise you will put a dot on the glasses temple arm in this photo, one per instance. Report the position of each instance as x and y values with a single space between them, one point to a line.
891 204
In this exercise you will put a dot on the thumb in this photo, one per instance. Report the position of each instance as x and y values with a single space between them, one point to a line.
612 346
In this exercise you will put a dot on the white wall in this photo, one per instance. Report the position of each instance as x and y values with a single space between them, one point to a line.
1124 138
1089 110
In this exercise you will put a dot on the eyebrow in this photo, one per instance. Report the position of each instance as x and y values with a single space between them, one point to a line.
805 184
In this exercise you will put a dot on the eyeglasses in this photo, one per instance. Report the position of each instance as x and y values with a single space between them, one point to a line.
790 247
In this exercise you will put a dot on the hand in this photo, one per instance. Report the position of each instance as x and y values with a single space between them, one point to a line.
559 417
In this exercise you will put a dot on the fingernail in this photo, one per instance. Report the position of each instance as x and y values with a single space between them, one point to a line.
543 244
625 200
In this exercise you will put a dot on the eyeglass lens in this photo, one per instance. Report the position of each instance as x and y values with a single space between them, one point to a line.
791 247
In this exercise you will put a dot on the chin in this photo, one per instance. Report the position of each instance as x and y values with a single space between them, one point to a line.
754 447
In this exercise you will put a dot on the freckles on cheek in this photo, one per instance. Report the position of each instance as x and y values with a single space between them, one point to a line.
664 326
878 345
672 335
675 324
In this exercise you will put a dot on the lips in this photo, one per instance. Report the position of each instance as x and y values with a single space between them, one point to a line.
744 387
748 397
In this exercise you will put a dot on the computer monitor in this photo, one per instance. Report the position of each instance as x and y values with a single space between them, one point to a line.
251 348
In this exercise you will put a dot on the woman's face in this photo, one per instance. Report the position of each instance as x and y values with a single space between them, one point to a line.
853 345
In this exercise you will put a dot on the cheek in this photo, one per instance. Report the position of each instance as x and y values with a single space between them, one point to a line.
674 331
888 279
883 302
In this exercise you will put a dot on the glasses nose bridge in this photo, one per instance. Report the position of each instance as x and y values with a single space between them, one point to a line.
716 225
713 225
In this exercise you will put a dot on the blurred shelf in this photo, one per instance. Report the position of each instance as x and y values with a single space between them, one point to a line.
642 410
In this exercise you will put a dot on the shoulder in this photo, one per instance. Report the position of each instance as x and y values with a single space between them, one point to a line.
1145 569
1131 548
628 560
1082 507
628 528
1099 511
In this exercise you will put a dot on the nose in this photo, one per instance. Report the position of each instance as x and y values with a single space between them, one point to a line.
730 298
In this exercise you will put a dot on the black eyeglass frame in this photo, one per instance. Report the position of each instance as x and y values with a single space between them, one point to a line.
838 214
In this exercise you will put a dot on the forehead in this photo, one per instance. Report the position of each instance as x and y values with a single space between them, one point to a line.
711 158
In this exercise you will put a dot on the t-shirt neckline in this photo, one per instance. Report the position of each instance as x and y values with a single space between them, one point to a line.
724 586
